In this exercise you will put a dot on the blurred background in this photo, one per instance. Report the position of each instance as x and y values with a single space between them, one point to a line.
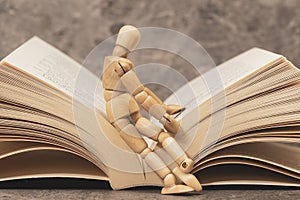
223 28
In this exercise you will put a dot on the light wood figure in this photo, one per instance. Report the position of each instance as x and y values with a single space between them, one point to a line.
123 94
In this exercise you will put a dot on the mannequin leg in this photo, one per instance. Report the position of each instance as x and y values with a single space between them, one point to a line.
131 136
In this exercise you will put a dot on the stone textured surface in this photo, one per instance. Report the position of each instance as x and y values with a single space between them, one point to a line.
224 28
148 194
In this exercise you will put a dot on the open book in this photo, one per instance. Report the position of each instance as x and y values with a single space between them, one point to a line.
243 131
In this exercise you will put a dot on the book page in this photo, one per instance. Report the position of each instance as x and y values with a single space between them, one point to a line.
270 151
46 63
40 60
209 97
239 173
48 162
216 80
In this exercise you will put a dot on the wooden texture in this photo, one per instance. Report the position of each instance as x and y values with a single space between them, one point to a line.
110 79
153 95
109 94
121 123
132 83
156 110
132 137
173 109
176 152
171 187
155 162
122 66
170 124
188 179
141 97
128 38
120 108
147 128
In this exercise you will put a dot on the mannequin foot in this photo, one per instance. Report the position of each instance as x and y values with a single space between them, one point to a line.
189 179
172 188
177 189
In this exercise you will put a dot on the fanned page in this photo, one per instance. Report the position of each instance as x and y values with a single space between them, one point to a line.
196 96
218 79
260 93
266 158
36 160
46 64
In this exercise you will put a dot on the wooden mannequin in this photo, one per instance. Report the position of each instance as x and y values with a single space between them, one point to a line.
123 94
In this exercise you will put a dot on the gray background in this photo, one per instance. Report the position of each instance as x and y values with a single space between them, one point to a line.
224 28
